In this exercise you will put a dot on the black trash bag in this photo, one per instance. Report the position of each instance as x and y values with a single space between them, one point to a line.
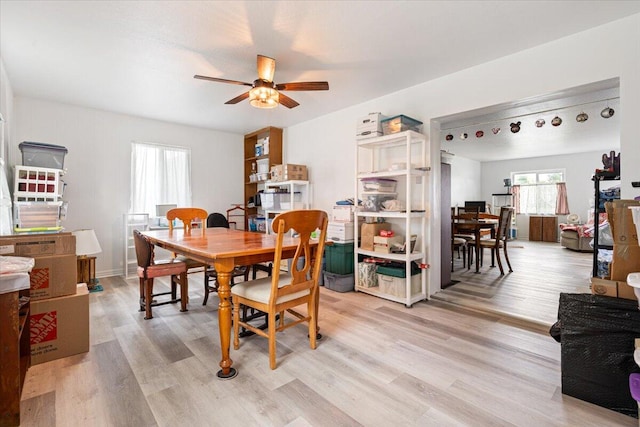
597 335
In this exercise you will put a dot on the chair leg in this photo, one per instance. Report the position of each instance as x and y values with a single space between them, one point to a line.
142 299
148 292
497 253
272 340
312 323
184 291
506 256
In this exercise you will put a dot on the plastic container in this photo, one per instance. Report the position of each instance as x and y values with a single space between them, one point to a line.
42 155
339 258
339 282
400 123
372 201
382 185
37 184
392 280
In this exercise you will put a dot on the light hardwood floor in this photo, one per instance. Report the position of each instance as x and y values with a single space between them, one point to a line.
379 364
541 271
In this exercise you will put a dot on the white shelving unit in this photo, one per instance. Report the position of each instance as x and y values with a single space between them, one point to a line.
287 203
133 221
401 156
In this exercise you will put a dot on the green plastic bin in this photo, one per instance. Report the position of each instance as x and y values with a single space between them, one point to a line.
339 258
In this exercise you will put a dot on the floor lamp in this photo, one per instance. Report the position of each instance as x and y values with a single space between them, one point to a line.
87 244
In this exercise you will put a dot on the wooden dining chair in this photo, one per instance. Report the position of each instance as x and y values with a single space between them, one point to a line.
281 293
469 213
149 269
501 238
189 217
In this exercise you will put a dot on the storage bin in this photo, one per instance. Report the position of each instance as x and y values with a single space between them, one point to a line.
372 201
42 155
367 277
36 216
381 185
396 286
339 282
400 123
340 232
33 184
339 258
281 201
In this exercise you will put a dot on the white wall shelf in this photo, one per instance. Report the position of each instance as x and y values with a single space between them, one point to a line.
132 221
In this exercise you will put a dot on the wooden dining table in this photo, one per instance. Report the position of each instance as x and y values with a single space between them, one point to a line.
224 249
475 226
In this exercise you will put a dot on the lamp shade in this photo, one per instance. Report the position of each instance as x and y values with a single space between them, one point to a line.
86 242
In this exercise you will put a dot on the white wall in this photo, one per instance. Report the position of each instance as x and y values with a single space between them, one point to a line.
465 184
98 165
6 109
608 51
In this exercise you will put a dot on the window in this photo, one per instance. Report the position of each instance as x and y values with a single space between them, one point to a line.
537 191
159 175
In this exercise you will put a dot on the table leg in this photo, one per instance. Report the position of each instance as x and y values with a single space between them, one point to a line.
477 233
224 268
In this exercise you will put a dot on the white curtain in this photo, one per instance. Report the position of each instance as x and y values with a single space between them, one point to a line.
159 175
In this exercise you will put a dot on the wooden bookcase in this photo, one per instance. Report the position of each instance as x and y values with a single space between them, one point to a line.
274 157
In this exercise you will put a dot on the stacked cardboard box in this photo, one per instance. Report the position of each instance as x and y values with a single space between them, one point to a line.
626 251
59 306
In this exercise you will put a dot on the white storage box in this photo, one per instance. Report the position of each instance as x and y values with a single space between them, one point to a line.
382 185
340 231
342 213
372 201
397 286
369 126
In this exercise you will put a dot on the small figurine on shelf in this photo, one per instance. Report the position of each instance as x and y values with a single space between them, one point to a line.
611 164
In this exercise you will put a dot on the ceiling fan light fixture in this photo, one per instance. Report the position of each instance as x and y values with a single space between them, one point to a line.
264 97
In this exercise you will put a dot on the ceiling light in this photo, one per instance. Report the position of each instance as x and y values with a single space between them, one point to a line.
264 97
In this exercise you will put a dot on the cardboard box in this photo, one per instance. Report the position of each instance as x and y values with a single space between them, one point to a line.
35 245
621 221
289 172
59 327
368 231
612 288
53 276
342 213
384 244
626 259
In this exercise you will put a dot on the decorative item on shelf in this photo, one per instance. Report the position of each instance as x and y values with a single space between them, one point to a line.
515 127
540 123
495 131
479 134
507 184
556 121
607 112
87 244
582 117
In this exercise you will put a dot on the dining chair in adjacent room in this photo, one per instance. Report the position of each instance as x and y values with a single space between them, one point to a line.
189 217
466 213
217 219
501 238
149 269
283 293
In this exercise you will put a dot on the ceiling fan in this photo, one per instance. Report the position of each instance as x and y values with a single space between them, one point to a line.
264 93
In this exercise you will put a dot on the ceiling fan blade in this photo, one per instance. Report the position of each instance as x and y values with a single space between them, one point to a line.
215 79
303 86
238 98
266 68
287 102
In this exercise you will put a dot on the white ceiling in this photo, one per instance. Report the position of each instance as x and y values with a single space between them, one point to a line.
139 57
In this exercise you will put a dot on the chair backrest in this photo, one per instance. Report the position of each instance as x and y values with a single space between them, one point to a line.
187 216
217 219
304 222
468 213
503 223
144 249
